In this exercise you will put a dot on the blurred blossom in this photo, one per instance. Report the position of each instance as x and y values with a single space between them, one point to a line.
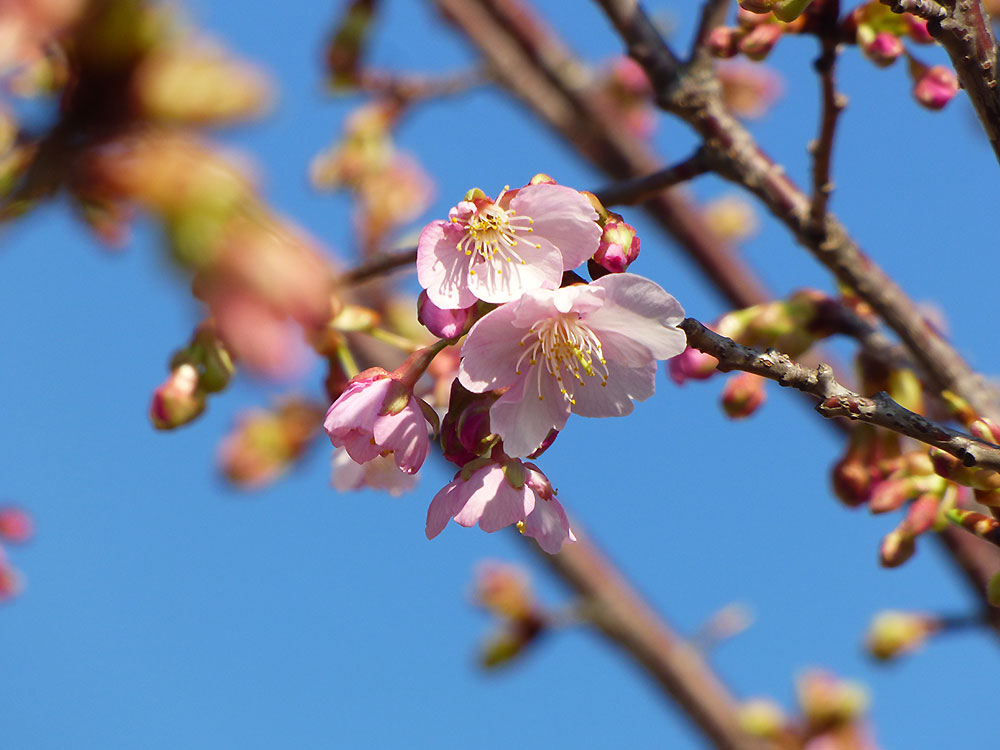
748 90
893 633
731 217
381 473
193 81
178 400
933 86
743 394
827 701
15 525
27 26
504 590
266 443
691 364
625 85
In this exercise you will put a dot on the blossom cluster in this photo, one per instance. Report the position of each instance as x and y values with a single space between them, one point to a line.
538 343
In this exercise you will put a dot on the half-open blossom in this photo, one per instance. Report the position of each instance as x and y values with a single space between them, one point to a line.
590 349
378 415
495 250
499 492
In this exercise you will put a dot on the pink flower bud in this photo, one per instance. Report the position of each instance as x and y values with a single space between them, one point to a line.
760 41
445 324
935 86
692 364
883 49
178 400
889 495
619 246
723 41
827 701
742 395
15 525
504 590
921 514
917 29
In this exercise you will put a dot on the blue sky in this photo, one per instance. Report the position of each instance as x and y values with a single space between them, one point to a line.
166 610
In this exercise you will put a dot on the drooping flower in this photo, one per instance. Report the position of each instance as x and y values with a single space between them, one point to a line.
381 473
588 349
377 415
499 491
495 250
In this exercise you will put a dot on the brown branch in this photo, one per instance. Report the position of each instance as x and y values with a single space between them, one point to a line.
378 266
737 157
639 189
837 401
620 613
964 29
713 14
410 87
833 104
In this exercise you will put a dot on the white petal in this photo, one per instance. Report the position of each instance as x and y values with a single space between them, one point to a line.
491 351
615 399
562 216
442 268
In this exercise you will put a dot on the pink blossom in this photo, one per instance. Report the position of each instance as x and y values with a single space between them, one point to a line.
381 473
445 324
588 349
499 492
378 415
619 246
495 250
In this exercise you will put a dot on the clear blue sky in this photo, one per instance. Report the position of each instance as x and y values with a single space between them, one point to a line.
166 610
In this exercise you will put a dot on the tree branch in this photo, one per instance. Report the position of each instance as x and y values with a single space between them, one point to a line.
639 189
837 401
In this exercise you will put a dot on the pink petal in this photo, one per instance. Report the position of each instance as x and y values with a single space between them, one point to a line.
522 419
615 399
405 434
442 268
357 407
503 281
443 507
491 351
480 489
639 309
562 216
549 526
358 444
507 507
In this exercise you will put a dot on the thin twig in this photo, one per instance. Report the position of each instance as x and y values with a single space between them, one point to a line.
713 14
837 401
833 104
378 266
639 189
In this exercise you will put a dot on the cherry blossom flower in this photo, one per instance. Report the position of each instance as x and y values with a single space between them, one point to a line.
381 473
499 491
495 250
377 415
588 349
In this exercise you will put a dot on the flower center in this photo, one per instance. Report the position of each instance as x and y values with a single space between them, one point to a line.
570 350
491 236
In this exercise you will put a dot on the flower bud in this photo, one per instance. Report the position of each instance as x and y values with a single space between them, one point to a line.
758 44
723 41
758 6
935 86
445 324
789 10
921 514
742 395
882 48
692 364
892 634
889 495
619 246
828 702
896 549
917 29
15 525
762 717
178 400
504 590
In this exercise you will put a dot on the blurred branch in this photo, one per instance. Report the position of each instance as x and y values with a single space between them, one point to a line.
378 266
838 401
615 608
833 104
638 189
